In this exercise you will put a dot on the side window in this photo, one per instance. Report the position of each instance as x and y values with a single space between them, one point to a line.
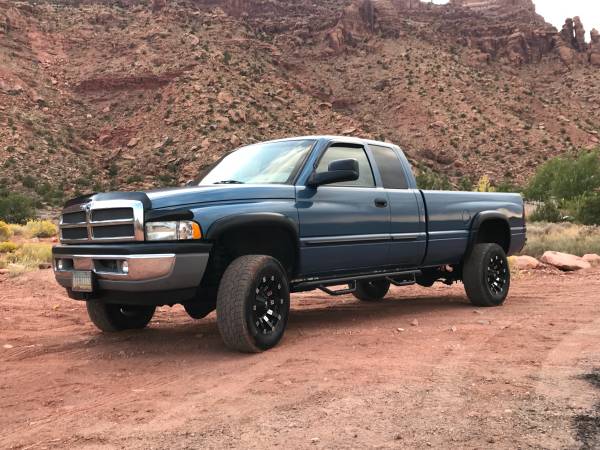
390 167
335 152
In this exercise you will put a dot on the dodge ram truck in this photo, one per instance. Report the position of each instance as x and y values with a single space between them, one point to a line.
339 214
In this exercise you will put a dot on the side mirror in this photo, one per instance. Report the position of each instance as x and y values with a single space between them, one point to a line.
338 171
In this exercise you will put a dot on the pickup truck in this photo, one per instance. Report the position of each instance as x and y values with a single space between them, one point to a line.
339 214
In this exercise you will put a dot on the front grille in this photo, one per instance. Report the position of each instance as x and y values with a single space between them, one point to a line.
103 221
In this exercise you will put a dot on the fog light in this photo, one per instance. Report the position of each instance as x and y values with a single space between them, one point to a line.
60 264
125 267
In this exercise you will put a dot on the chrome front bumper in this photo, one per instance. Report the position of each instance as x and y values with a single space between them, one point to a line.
143 273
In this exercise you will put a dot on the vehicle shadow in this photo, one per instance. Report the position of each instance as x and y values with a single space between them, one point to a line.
177 335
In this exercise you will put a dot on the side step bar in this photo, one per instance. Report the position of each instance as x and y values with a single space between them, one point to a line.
397 278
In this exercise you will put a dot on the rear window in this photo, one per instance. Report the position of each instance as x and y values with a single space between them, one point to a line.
390 167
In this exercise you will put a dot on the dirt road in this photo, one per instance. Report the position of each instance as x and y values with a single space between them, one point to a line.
346 375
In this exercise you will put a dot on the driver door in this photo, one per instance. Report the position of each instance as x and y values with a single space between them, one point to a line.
344 227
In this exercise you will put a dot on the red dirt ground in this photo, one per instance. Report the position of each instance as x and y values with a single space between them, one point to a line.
344 376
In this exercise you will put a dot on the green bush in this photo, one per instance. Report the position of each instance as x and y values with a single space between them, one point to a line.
430 180
566 178
5 232
41 228
568 184
16 208
588 211
547 212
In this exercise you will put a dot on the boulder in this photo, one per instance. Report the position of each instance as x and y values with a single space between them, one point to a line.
525 262
593 259
564 261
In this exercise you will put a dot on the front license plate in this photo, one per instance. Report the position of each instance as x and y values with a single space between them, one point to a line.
82 281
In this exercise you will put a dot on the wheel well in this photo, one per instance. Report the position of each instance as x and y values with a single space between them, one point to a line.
494 231
271 240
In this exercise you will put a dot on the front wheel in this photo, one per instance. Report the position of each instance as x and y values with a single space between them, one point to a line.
112 317
253 303
486 275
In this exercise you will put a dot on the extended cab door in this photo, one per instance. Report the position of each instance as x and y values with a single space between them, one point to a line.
344 227
408 228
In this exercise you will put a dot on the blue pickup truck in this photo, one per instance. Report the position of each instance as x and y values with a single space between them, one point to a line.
339 214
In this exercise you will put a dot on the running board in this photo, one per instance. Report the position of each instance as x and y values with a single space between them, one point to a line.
405 276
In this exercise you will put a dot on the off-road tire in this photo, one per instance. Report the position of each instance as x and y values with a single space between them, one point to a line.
479 276
110 317
371 290
240 299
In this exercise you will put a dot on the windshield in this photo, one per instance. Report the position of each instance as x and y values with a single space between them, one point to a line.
271 162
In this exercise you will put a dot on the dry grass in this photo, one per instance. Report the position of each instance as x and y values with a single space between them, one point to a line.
26 257
561 237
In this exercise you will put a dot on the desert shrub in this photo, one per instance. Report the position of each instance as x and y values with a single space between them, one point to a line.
588 210
561 237
5 232
41 228
31 255
17 230
547 212
430 180
16 208
484 185
8 247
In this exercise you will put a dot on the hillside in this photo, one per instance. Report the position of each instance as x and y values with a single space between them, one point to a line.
98 95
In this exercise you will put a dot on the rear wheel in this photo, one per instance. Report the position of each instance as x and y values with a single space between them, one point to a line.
371 291
113 317
486 275
253 303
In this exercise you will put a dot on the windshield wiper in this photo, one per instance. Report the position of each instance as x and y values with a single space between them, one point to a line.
229 182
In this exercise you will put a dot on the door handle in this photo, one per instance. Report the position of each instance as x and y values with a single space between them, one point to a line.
381 202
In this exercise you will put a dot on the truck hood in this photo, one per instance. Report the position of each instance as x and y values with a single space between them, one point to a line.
165 198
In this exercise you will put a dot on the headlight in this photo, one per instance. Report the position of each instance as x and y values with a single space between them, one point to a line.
173 231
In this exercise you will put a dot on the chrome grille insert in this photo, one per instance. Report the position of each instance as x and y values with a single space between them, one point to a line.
103 221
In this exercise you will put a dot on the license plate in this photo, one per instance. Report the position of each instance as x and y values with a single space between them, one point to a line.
82 281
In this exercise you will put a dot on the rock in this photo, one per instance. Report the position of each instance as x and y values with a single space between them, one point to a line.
568 32
7 346
453 328
225 97
594 56
564 261
4 271
44 266
415 323
315 440
579 40
400 330
525 262
133 142
592 258
357 21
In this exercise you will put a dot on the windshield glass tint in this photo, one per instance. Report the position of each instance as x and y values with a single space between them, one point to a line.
274 162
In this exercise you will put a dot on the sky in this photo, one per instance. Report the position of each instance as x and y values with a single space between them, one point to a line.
556 11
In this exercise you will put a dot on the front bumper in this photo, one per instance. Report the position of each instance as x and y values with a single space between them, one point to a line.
151 267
